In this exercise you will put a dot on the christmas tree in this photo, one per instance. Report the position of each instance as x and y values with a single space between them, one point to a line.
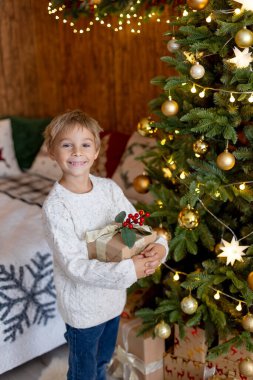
201 175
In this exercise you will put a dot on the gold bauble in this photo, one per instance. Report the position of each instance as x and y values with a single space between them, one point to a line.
225 160
163 232
246 367
162 330
173 45
145 127
189 305
200 146
217 248
141 183
197 71
170 107
188 218
247 322
197 5
244 38
250 280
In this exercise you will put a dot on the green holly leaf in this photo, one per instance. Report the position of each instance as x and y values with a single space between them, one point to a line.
120 217
128 237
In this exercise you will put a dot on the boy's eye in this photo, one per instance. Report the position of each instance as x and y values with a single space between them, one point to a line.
66 145
86 145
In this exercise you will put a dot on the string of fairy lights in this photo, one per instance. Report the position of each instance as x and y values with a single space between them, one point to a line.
128 19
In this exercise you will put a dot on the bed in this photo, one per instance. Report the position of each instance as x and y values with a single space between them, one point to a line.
30 324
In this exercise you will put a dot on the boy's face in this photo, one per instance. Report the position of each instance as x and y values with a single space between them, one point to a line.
74 151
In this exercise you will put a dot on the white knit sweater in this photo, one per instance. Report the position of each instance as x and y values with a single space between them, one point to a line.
89 292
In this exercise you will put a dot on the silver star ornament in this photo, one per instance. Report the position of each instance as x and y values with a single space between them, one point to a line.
232 251
242 58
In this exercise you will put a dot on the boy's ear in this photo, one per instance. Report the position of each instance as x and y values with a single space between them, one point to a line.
51 154
97 153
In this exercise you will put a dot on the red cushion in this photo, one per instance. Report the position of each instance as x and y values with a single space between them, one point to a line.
116 147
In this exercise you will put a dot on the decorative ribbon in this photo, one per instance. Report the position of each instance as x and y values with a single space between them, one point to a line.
104 235
129 361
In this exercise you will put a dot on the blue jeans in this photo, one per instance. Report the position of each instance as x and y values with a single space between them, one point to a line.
90 350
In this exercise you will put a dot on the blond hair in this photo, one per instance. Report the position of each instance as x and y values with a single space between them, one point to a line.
69 120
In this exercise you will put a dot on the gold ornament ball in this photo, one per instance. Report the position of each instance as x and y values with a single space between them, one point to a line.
170 108
189 305
163 232
197 71
217 248
197 5
200 146
250 280
144 127
225 160
141 183
244 38
173 45
188 218
247 322
246 367
162 330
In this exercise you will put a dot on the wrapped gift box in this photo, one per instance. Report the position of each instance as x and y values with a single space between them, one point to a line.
141 354
192 346
236 353
183 369
103 245
135 301
224 369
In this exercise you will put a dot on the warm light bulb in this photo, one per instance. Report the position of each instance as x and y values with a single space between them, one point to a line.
251 98
176 277
239 306
242 186
202 94
232 98
237 11
81 31
185 13
183 175
193 89
209 18
217 194
217 295
163 142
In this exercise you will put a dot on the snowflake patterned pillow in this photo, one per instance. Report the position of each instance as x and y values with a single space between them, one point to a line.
45 166
8 162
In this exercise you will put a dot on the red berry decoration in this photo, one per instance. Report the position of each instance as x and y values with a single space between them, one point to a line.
127 228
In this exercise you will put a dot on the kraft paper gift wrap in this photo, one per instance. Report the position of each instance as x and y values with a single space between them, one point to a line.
192 346
183 369
139 358
236 353
106 244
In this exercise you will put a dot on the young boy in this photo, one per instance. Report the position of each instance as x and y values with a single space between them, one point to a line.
90 294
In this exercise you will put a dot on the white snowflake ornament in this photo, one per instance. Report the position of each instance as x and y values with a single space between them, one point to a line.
242 58
246 4
232 251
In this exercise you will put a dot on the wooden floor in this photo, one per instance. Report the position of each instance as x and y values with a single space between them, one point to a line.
33 369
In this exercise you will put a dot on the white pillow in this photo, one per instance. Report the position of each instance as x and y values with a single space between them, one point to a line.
8 163
129 167
45 166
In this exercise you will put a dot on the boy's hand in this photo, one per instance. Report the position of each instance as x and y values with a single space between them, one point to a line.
145 266
154 250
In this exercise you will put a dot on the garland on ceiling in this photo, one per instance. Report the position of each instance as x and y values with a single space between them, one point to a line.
81 15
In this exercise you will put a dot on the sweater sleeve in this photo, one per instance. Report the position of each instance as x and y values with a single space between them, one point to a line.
71 254
123 204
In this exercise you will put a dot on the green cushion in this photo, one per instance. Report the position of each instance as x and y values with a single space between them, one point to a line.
27 138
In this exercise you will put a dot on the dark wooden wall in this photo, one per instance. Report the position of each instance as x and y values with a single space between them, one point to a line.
46 69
